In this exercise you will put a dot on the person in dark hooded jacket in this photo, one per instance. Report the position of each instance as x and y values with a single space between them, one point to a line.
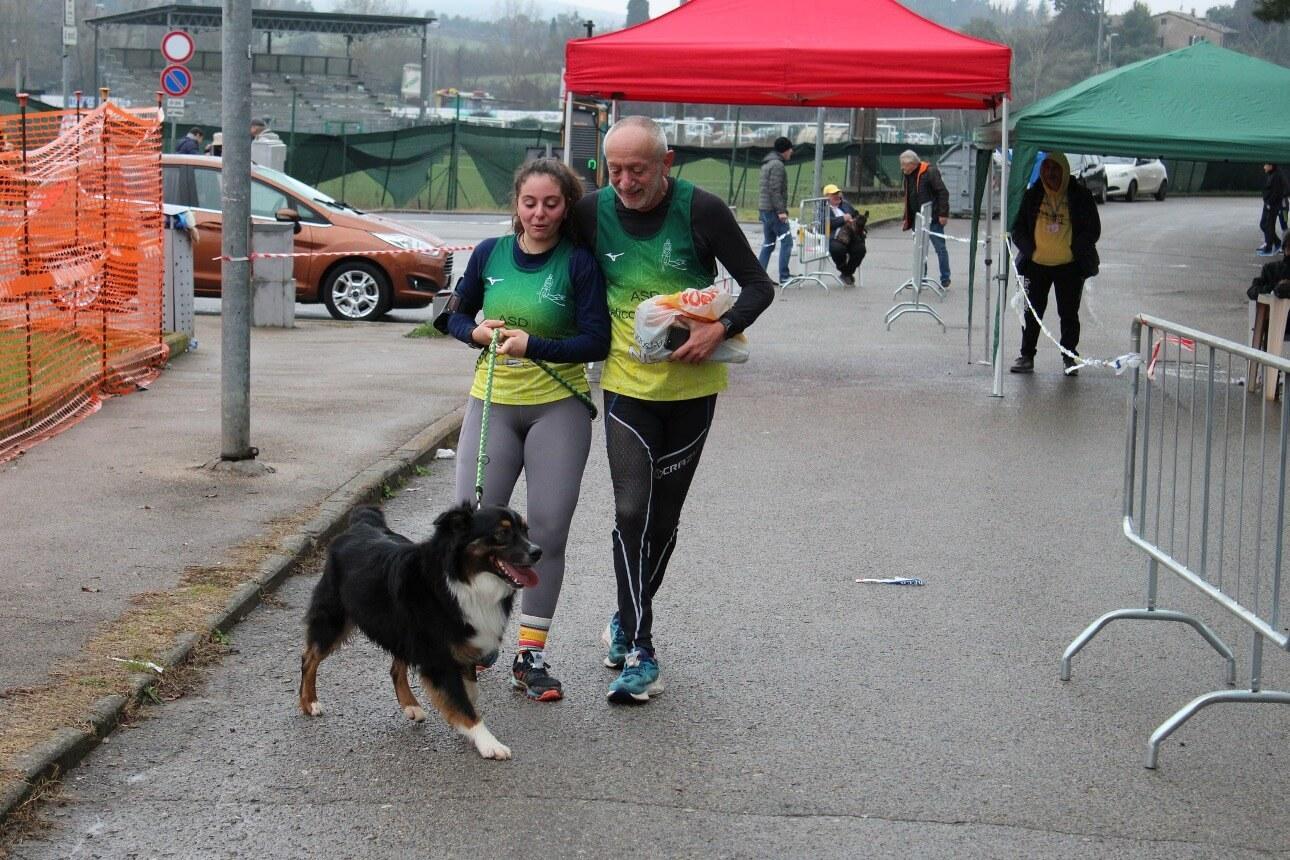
1273 278
1274 195
1055 234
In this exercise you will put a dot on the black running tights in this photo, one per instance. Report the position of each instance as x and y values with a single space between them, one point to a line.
654 448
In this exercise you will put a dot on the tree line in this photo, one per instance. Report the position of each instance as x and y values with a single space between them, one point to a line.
517 56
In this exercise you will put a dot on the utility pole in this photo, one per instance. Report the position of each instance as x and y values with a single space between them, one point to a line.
235 302
428 97
69 42
1101 17
286 167
819 152
421 87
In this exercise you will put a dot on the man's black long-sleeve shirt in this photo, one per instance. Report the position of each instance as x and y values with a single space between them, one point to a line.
717 237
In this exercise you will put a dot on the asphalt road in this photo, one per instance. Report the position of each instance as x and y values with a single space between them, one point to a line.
806 715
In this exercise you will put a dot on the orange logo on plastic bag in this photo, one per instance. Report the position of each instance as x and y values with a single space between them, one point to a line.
698 304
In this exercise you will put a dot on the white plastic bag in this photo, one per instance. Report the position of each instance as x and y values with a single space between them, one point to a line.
656 315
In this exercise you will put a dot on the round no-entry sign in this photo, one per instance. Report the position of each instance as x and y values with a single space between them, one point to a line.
177 46
176 80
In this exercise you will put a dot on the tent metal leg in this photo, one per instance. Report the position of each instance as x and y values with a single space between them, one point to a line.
1001 291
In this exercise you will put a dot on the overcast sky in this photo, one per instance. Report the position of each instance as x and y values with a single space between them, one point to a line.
618 8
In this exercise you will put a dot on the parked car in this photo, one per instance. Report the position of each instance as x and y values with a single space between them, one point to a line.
1129 177
356 284
1090 170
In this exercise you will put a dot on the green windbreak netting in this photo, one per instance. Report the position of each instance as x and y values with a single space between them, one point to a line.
390 168
9 104
471 167
452 166
496 152
733 173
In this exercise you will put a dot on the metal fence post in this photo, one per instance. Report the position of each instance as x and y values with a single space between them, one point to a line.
813 243
1160 490
918 280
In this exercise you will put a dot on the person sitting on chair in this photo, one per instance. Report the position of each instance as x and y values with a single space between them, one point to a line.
1273 278
846 232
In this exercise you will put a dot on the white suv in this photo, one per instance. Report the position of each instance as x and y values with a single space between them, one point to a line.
1129 177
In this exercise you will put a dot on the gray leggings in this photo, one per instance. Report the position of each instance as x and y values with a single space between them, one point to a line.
550 443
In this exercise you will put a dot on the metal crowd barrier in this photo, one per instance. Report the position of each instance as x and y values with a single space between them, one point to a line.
1205 496
918 280
812 244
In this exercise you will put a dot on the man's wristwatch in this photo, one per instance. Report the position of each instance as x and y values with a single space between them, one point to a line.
727 323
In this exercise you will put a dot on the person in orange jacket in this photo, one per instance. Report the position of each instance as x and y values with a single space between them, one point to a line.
923 184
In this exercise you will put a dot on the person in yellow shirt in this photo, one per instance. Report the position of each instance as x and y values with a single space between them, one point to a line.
544 295
1055 234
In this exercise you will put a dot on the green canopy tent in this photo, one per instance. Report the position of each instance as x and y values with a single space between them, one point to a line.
1199 103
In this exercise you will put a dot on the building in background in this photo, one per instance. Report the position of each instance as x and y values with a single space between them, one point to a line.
1178 30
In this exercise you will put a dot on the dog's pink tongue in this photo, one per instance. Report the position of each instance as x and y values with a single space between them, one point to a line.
525 576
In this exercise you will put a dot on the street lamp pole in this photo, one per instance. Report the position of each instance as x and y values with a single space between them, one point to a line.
69 42
291 147
434 63
452 156
1101 17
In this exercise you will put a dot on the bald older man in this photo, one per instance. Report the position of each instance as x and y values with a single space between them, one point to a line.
654 235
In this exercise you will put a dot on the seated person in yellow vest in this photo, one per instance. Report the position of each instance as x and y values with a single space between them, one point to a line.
545 297
655 235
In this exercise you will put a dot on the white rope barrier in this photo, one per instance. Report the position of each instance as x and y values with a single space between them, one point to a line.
947 237
1119 364
793 226
432 252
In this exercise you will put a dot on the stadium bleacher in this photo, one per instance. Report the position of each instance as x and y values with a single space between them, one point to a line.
325 90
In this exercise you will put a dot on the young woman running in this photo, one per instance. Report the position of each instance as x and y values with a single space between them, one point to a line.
545 296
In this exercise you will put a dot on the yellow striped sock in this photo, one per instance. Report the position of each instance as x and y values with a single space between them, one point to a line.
533 638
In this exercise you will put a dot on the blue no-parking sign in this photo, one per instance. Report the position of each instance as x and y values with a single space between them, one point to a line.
176 80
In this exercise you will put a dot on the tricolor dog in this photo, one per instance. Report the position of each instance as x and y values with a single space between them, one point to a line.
439 607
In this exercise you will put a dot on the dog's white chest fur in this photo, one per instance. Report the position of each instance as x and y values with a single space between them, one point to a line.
481 604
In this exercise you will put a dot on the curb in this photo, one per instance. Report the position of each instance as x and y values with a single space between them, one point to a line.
67 747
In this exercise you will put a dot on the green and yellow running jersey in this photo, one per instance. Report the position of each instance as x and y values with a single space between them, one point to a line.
637 269
541 302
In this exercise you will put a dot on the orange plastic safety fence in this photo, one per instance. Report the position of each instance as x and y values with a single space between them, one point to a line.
81 265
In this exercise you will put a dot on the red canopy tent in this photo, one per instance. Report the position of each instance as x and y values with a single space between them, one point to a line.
802 53
798 53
